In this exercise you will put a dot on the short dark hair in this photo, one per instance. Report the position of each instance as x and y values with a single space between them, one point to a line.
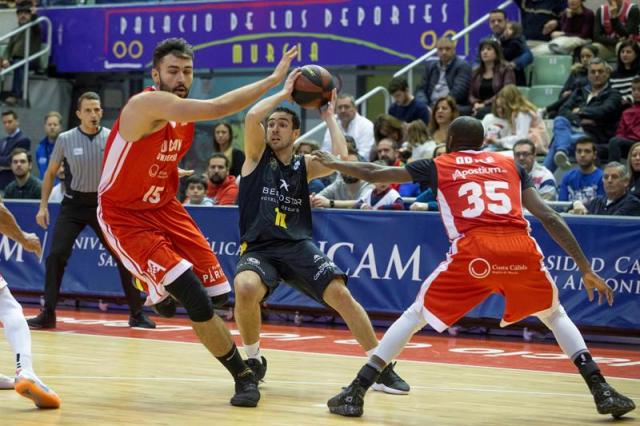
175 46
218 155
525 142
500 11
18 151
198 180
398 84
90 96
587 140
10 112
351 142
294 116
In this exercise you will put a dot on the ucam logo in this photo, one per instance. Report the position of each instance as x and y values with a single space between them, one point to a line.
10 250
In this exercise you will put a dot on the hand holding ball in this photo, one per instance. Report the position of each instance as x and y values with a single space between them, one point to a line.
312 89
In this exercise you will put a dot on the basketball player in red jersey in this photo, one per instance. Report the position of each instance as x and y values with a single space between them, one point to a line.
481 195
147 227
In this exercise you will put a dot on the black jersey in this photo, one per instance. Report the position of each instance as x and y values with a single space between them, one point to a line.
274 201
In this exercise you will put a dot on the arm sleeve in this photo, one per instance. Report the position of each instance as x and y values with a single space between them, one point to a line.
425 173
524 59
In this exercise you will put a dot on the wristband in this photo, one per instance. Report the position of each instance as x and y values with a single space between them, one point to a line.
332 203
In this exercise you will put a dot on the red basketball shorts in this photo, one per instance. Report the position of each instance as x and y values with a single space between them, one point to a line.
486 261
159 245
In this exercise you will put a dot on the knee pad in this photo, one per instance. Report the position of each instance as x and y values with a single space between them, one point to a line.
189 291
220 300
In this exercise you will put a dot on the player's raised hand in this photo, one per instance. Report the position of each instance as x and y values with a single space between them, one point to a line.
32 243
290 82
183 172
593 281
281 69
328 109
327 159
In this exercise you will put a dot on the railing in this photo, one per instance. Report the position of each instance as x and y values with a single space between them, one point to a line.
407 69
27 47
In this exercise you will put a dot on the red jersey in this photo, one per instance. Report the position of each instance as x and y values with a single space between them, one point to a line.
144 174
475 189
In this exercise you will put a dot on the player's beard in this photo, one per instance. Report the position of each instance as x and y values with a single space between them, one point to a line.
216 179
165 88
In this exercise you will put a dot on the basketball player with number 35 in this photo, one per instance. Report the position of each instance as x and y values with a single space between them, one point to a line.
481 197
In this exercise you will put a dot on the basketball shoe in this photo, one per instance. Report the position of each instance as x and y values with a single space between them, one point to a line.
349 402
609 401
29 386
390 382
247 393
166 308
259 368
7 382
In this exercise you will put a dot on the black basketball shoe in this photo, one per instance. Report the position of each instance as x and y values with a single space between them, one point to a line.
609 401
349 402
165 308
390 382
247 393
259 368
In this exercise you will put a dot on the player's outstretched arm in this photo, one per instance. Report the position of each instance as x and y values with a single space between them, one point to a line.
338 143
254 133
10 228
145 112
368 172
560 232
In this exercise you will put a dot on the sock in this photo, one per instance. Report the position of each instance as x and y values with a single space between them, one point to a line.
253 351
16 329
399 334
233 362
588 368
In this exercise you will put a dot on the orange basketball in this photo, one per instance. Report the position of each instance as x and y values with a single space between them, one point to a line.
313 87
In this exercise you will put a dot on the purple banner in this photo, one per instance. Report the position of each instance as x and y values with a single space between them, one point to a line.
255 33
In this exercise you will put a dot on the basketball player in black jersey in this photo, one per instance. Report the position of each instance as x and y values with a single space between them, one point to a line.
275 229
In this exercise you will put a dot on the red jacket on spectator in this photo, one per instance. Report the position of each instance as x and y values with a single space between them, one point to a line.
224 194
629 127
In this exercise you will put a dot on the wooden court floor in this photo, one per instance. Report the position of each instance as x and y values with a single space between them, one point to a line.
109 380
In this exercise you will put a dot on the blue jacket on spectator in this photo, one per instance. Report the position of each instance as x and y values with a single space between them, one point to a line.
43 153
457 74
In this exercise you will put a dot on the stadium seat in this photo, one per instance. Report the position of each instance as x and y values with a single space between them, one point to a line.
544 95
524 91
551 70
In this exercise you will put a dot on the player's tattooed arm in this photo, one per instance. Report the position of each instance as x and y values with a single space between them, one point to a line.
368 172
561 233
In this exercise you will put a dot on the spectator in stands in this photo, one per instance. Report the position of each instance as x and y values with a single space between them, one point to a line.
387 126
16 48
487 79
344 192
524 152
628 132
418 140
353 124
583 183
444 111
426 200
617 200
52 129
25 186
518 119
14 139
222 187
513 43
405 107
594 111
223 142
306 147
576 29
59 190
387 150
627 69
196 190
540 18
578 78
449 75
634 169
616 21
381 197
440 149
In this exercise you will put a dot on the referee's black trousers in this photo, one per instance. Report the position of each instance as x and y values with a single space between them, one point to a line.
71 221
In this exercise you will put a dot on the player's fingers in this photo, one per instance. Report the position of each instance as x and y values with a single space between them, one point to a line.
590 293
609 296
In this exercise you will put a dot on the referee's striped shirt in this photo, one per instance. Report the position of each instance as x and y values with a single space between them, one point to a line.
82 155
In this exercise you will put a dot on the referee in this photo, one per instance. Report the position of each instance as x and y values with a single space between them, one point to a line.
80 151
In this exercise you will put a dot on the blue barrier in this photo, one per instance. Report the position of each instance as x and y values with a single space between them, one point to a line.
385 254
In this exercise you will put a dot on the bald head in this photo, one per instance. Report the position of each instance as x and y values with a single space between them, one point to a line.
465 133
